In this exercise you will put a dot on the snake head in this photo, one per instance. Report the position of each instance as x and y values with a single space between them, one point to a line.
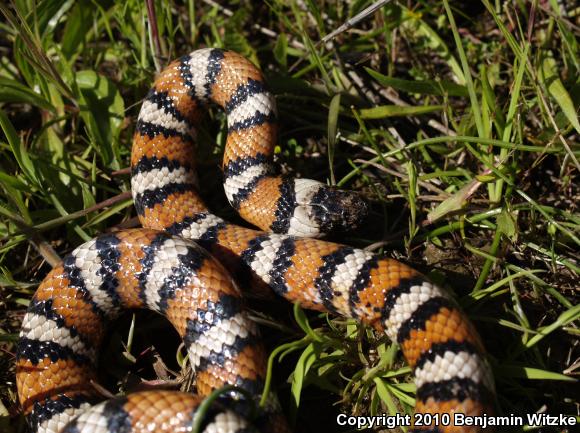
338 210
321 209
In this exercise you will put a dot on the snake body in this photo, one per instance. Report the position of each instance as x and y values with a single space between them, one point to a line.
159 267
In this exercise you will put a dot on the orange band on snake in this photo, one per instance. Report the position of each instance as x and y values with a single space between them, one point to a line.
145 268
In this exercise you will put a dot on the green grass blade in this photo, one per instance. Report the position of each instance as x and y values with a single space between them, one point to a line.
102 109
384 111
424 87
414 24
534 373
568 316
18 149
557 90
13 91
466 72
333 111
303 365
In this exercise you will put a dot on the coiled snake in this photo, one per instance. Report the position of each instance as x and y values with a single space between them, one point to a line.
160 267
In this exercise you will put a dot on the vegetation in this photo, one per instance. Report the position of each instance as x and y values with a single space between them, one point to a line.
457 120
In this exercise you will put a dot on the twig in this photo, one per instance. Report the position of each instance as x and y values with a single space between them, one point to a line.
344 27
154 33
353 21
49 224
38 242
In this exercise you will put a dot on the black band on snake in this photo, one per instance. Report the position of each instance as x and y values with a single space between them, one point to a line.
161 268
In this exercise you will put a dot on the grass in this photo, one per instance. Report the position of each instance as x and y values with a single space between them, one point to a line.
457 120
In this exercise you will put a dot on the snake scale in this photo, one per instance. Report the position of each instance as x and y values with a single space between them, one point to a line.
161 268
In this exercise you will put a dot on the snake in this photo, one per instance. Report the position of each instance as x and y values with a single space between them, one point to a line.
179 265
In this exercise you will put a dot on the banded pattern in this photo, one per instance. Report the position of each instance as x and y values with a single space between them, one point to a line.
145 268
158 411
435 336
139 268
161 156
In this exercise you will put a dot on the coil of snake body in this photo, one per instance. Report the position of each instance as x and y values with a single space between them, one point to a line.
160 267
